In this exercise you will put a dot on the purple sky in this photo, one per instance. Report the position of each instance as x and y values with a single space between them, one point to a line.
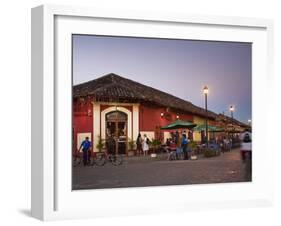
178 67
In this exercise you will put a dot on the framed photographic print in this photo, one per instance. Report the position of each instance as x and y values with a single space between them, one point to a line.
137 112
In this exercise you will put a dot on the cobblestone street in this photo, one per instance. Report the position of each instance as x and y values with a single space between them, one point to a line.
227 167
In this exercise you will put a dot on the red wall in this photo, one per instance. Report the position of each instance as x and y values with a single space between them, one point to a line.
82 119
150 117
104 106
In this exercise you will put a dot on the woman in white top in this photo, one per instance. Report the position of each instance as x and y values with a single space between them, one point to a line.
145 146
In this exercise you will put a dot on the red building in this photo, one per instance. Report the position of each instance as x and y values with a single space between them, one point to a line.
115 106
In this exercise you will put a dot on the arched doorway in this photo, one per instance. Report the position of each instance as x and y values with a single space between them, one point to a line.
116 131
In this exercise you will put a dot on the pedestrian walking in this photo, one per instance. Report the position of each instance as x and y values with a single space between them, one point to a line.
184 144
246 152
226 144
217 140
179 151
145 145
138 142
86 147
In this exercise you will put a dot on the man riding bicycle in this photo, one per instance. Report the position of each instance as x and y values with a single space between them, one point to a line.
246 144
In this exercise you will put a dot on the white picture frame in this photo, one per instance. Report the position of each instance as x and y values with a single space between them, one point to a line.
52 197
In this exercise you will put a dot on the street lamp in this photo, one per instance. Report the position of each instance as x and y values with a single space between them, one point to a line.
231 109
205 91
249 122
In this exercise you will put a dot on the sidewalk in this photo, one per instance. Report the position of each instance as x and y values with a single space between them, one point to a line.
164 157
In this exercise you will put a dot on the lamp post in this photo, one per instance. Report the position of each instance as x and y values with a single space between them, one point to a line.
231 109
205 91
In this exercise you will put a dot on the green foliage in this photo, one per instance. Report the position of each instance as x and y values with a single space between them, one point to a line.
100 144
131 144
154 144
192 145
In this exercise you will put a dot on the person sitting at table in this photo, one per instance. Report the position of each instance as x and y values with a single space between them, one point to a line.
168 142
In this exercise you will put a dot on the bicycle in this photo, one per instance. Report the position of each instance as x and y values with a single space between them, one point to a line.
77 158
175 155
102 158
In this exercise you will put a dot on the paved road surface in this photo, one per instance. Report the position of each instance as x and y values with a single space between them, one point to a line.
227 167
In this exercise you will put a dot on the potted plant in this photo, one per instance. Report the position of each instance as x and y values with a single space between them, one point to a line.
131 146
192 146
154 145
100 144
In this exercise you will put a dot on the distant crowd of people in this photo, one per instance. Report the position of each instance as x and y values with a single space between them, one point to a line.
178 142
227 142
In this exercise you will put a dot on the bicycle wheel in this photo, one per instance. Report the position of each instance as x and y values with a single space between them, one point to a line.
116 160
92 161
170 156
180 156
99 160
173 156
76 161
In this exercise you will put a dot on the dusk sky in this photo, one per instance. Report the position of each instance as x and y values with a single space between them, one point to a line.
179 67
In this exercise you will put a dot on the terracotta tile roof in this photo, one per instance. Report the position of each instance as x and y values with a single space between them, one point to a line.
113 87
229 120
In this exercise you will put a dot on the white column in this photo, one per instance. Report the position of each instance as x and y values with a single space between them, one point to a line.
96 123
135 121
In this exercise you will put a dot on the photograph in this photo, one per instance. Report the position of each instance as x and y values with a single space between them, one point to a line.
160 111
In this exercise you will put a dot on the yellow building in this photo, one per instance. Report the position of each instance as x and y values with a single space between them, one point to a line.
201 121
197 134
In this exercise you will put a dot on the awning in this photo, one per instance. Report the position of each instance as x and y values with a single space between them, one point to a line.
179 124
235 130
210 128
